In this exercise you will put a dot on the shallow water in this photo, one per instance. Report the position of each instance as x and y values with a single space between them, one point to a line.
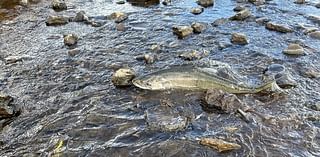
72 99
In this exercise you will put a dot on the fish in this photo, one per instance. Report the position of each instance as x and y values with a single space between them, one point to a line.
193 78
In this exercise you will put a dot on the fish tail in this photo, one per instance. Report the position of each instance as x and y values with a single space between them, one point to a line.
272 86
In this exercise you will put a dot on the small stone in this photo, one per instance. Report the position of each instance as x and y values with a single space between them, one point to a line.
190 56
315 35
197 27
205 3
197 10
148 58
155 48
70 39
123 77
80 17
219 22
262 20
317 5
95 24
57 20
182 31
278 27
120 2
59 5
239 8
294 49
73 52
300 1
118 16
121 27
239 38
166 2
241 15
219 145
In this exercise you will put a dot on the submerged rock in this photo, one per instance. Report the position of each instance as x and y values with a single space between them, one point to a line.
317 5
57 20
281 75
59 5
241 15
219 22
205 3
219 145
182 31
294 49
278 27
315 35
239 38
118 16
70 39
73 52
197 10
197 27
164 118
123 77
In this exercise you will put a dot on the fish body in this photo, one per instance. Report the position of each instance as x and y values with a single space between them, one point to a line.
192 78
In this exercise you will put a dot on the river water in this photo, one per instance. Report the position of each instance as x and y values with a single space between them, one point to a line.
72 101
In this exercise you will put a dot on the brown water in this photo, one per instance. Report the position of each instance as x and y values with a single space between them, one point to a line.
72 99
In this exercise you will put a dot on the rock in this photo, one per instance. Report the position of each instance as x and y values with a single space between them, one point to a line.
313 105
221 101
81 17
317 5
166 2
95 24
59 5
308 30
197 10
315 35
262 20
300 1
73 52
7 110
282 76
278 27
310 73
165 118
197 27
182 31
70 39
118 16
120 2
239 8
148 58
241 15
257 2
120 27
239 38
155 48
205 3
13 59
123 77
314 18
219 22
294 49
193 55
57 20
219 145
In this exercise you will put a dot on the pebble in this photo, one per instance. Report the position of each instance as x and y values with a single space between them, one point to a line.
193 55
57 20
219 145
278 27
123 77
294 49
120 27
59 5
147 58
197 27
70 39
197 10
73 52
182 31
241 15
118 16
239 38
205 3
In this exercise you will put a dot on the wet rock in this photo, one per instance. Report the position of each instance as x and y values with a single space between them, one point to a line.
73 52
182 31
281 75
197 27
166 2
70 39
262 20
120 2
81 17
294 49
57 20
221 101
315 35
147 58
164 118
308 30
7 110
257 2
118 16
219 145
278 27
317 5
155 48
205 3
219 22
239 8
59 5
241 15
197 10
120 27
193 55
239 38
310 73
314 18
300 1
123 77
13 59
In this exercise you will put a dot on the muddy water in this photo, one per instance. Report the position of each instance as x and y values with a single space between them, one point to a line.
71 100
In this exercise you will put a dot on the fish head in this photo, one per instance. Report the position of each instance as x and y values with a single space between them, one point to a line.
149 83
